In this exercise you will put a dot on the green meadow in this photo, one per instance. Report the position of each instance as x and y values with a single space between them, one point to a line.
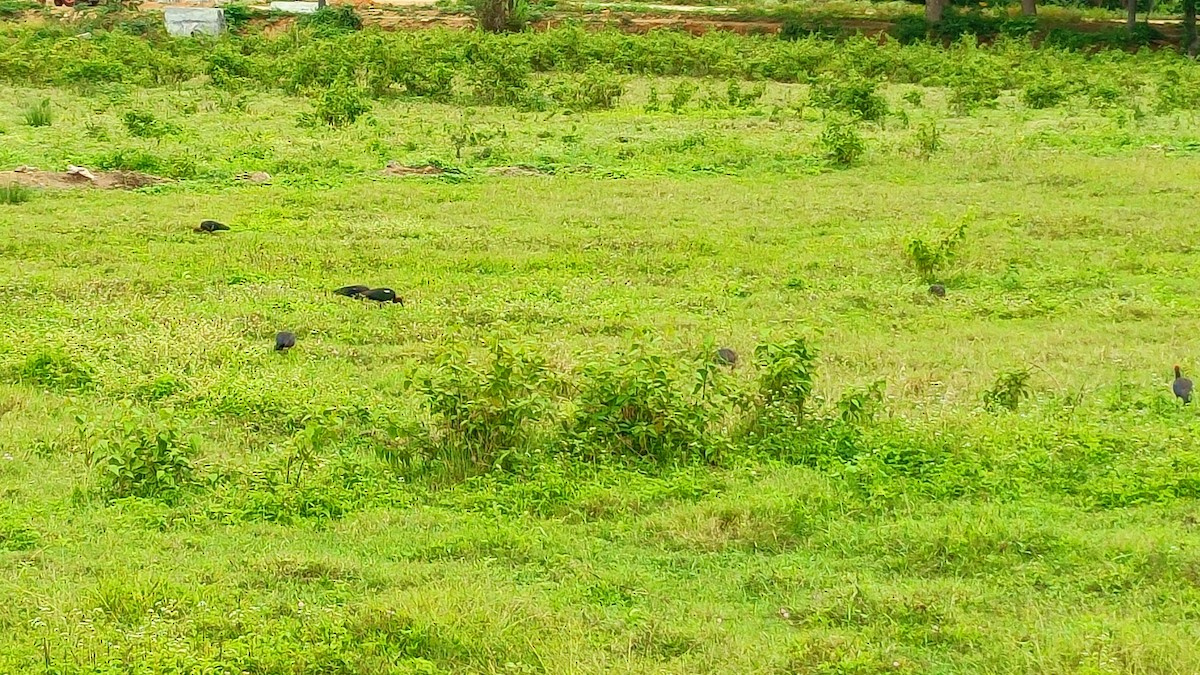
535 465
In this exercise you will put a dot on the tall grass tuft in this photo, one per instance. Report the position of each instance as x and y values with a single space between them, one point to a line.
14 193
39 115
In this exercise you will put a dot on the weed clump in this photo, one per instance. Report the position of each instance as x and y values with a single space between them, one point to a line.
15 193
928 259
1009 389
854 94
140 455
39 114
338 106
56 371
841 143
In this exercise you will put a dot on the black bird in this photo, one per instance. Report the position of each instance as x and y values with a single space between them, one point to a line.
383 295
1182 386
937 290
352 291
211 226
284 341
727 357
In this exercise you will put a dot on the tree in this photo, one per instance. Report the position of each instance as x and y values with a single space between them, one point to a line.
1029 7
1189 43
933 10
1131 15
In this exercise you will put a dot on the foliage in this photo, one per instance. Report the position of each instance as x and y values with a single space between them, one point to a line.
15 193
57 371
841 143
141 454
637 406
39 115
143 124
338 106
483 416
1044 93
786 374
332 20
930 259
497 16
1008 391
854 94
928 139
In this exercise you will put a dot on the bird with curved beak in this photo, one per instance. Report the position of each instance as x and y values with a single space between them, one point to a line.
383 295
211 226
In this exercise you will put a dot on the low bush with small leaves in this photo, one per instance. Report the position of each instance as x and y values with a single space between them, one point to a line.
841 143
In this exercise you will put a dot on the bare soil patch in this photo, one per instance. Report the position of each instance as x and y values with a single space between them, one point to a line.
78 177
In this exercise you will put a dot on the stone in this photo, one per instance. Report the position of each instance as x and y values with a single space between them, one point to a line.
294 7
187 21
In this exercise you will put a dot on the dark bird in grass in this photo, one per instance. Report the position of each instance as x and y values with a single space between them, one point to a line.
211 226
727 357
937 290
1182 386
352 291
284 341
383 295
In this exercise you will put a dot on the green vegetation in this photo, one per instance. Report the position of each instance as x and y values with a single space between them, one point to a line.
536 465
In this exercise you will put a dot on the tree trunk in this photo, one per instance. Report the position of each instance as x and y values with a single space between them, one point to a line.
1028 7
1131 14
1189 44
933 10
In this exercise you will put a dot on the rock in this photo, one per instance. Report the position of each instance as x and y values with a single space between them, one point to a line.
187 21
81 172
257 177
295 7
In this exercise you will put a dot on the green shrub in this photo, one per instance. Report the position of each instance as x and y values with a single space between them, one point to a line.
854 94
482 416
15 193
786 374
39 115
929 259
597 88
143 124
140 455
497 16
332 20
974 88
339 105
1008 391
841 143
681 95
1045 92
57 371
635 407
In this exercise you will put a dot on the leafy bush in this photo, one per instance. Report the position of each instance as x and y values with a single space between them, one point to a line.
483 415
853 94
1008 391
15 193
841 143
634 407
143 124
1045 92
332 20
928 139
681 95
141 455
56 371
597 88
39 115
928 259
339 105
973 88
786 373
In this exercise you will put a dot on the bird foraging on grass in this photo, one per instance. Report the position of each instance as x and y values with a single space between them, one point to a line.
1182 386
352 291
284 340
211 226
382 295
727 357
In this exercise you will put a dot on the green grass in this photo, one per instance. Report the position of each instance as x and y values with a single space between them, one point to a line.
311 512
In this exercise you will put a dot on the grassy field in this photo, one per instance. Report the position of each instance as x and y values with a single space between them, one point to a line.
995 482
